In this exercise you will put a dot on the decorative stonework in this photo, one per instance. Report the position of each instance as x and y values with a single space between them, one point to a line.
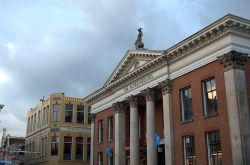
133 101
149 94
92 118
233 60
118 107
166 86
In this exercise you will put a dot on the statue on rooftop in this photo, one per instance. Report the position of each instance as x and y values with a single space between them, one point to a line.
138 42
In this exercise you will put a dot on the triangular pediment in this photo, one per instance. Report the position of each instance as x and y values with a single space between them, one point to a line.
132 60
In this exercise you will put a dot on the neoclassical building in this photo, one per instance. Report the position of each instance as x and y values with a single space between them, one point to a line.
188 104
58 131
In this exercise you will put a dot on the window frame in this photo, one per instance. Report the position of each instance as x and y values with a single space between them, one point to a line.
100 131
70 111
100 158
205 97
209 154
182 92
56 113
81 113
110 159
67 142
185 150
80 143
56 142
110 131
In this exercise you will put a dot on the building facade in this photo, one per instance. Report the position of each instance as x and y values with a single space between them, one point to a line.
185 105
12 150
58 131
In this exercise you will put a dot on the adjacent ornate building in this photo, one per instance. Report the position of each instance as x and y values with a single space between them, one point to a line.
186 105
58 131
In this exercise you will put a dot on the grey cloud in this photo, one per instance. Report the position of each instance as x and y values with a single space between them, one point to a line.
72 46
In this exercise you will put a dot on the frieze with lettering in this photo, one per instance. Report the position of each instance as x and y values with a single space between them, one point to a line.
138 82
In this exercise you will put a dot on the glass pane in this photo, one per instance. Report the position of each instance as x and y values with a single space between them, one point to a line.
213 87
80 107
68 106
208 86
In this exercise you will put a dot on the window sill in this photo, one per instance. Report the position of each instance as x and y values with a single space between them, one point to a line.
210 115
186 121
100 143
110 140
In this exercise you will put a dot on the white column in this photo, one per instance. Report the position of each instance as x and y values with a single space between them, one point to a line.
167 121
237 105
92 118
120 154
134 131
150 120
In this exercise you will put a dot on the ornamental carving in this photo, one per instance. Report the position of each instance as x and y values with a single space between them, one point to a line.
233 60
149 94
118 107
166 86
133 101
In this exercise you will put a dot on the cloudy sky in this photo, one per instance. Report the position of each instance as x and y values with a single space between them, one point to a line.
72 46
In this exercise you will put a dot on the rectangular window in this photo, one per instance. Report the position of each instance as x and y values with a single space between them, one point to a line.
79 148
54 145
110 159
189 150
31 124
34 124
89 115
80 113
186 104
209 97
100 131
214 148
110 128
67 148
88 148
39 119
44 115
45 146
100 158
56 112
68 112
28 125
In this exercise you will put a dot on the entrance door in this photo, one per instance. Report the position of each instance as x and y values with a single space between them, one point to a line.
161 154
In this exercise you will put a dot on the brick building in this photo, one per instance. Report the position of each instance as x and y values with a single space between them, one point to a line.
186 105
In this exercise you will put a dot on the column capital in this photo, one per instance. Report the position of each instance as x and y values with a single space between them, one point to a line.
166 86
118 107
92 118
233 60
149 94
133 101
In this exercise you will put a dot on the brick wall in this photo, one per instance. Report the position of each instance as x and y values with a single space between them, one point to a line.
200 125
102 147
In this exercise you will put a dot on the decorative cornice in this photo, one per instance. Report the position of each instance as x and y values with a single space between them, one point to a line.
233 60
149 94
133 101
226 25
166 86
118 107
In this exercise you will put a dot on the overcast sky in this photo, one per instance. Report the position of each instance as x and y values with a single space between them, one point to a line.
72 46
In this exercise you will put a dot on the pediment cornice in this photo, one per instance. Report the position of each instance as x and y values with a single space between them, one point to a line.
229 24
